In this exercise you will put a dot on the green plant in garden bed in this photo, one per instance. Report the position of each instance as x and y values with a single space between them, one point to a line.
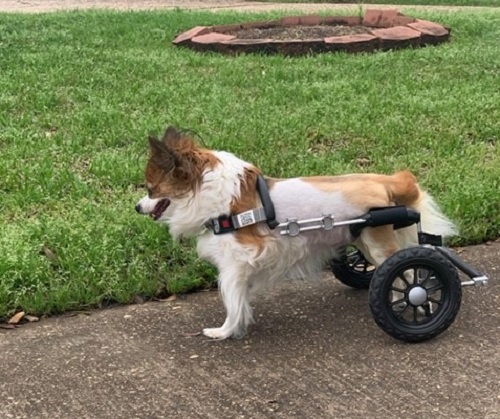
79 92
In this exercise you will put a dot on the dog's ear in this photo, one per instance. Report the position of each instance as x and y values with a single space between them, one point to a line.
162 155
178 141
155 145
171 136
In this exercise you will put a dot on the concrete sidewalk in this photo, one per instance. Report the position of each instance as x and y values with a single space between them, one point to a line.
315 352
36 6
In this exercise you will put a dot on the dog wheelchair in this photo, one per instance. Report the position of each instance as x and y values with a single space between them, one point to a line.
416 293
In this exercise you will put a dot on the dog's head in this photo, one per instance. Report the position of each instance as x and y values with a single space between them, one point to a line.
174 171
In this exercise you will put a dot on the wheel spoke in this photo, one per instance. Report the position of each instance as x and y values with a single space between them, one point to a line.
393 288
358 262
353 259
427 277
433 300
402 312
402 300
365 266
415 276
415 315
401 276
433 289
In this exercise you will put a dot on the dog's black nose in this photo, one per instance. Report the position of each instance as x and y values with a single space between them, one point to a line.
138 208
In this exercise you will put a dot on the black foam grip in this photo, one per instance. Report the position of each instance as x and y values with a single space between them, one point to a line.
400 216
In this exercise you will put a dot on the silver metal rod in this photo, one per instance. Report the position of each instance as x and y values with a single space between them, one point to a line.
293 227
349 222
478 281
335 224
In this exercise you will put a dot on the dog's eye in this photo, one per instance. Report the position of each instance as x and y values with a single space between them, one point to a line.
150 192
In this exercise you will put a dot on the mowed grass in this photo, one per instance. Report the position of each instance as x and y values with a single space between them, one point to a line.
79 92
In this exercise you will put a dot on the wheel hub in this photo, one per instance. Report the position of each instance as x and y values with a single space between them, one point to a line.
417 296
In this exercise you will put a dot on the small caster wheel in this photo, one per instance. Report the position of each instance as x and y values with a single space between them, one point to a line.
415 294
352 269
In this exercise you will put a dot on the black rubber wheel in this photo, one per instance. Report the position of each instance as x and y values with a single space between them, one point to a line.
352 269
415 294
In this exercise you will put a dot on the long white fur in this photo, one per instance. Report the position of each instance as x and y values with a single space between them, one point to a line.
243 269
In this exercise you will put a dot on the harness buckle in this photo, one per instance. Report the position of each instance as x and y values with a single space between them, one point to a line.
222 224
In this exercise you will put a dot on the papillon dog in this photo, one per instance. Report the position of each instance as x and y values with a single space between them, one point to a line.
215 197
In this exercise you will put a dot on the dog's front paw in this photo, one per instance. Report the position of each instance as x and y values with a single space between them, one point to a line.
218 333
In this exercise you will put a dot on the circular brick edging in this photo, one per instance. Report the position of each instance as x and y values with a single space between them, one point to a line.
388 29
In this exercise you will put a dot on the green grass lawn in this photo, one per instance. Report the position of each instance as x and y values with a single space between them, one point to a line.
79 92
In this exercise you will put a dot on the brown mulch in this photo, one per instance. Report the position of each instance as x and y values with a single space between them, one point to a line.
300 32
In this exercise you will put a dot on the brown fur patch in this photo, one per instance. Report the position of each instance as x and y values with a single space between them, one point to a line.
404 188
371 190
271 182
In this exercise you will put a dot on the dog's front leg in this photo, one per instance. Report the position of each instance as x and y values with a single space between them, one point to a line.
234 288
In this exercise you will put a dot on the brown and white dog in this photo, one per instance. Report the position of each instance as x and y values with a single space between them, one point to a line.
188 186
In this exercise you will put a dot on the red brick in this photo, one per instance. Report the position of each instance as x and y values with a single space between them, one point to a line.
407 32
398 37
402 20
310 20
397 33
226 28
350 39
429 28
342 20
186 36
379 18
352 43
290 21
212 38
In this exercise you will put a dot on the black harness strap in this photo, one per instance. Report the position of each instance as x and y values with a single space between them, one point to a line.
268 205
228 223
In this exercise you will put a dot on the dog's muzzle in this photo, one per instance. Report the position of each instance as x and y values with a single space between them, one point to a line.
152 207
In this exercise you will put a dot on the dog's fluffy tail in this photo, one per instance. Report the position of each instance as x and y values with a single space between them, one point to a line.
432 219
405 190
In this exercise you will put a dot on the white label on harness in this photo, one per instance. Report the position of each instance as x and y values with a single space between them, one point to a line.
246 218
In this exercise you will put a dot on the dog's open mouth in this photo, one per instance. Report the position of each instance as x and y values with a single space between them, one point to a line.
159 209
